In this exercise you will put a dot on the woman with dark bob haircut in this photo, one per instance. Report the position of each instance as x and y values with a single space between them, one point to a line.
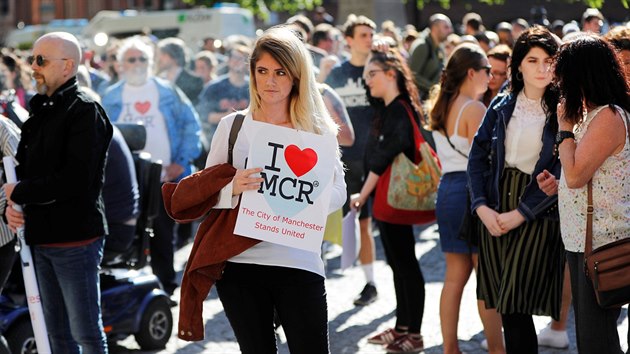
593 146
521 256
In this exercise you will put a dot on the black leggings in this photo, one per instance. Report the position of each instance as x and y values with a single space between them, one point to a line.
250 293
520 334
399 245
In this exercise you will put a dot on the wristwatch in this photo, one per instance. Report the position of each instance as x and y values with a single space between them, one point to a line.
564 134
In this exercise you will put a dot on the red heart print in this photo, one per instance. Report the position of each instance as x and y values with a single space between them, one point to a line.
142 107
300 161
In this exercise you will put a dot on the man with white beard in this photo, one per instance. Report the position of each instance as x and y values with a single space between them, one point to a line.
172 135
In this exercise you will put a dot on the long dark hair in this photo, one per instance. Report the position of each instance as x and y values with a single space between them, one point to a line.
588 71
540 37
392 60
465 56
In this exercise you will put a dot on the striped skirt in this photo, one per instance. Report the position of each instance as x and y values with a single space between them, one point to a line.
521 271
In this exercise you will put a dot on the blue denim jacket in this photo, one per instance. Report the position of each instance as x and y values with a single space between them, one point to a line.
181 119
487 162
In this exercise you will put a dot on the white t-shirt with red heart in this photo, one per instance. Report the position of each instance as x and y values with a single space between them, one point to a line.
140 105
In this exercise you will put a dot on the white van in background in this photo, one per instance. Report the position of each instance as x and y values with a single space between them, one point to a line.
191 25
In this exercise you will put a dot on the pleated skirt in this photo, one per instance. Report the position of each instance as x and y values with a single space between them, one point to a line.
521 271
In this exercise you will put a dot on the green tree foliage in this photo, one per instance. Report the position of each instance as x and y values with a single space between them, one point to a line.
447 3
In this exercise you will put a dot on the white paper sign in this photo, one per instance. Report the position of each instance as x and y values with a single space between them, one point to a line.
291 206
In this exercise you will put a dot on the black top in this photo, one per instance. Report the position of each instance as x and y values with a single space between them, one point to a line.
347 81
120 192
391 134
61 159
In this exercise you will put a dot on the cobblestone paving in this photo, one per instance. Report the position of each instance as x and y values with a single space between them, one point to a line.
350 326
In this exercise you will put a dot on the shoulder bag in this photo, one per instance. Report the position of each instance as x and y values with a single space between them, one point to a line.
406 191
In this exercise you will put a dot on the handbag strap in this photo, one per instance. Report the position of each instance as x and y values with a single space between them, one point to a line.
588 244
236 127
417 137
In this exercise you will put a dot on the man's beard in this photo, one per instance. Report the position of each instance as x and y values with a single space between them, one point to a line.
137 76
41 88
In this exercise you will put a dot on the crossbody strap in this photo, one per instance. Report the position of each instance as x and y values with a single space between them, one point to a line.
417 136
588 245
453 146
236 127
459 116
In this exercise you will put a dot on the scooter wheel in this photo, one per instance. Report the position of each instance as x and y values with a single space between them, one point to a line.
4 346
156 325
21 338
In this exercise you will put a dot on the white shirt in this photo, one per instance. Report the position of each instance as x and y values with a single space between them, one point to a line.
141 105
523 139
266 253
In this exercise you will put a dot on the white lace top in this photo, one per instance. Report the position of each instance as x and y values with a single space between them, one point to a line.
523 138
611 198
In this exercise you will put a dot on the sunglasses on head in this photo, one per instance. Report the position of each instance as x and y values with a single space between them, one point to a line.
40 60
132 60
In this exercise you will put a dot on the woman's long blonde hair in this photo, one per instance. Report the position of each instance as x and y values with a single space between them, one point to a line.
307 109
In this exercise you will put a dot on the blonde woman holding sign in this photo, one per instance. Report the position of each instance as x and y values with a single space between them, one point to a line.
270 276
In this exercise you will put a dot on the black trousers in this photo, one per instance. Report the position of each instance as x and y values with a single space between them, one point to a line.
399 245
595 327
250 293
162 250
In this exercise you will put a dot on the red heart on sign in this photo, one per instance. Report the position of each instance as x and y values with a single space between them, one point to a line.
300 161
142 107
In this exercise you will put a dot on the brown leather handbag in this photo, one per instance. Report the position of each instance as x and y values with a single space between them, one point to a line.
608 266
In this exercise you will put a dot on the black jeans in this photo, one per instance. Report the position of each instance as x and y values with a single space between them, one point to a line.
250 293
595 327
399 245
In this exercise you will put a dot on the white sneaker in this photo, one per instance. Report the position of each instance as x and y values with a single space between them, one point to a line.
484 344
551 338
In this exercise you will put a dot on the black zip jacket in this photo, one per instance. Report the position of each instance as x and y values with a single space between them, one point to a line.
61 159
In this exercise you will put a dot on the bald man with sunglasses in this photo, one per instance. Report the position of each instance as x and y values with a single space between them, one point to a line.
61 158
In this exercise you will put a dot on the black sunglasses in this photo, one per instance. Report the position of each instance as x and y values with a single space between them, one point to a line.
41 60
487 68
132 60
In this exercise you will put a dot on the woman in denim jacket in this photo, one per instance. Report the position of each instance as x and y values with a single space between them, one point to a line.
521 259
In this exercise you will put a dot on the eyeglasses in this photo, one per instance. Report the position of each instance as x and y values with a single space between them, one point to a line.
486 68
132 60
41 60
370 74
498 73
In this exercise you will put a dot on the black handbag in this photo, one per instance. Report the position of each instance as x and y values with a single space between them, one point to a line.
468 229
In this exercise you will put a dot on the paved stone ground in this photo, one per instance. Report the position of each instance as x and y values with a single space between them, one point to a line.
350 326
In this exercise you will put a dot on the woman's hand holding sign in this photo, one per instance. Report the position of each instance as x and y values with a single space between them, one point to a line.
243 182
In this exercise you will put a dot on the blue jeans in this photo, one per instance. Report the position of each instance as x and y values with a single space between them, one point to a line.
70 292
